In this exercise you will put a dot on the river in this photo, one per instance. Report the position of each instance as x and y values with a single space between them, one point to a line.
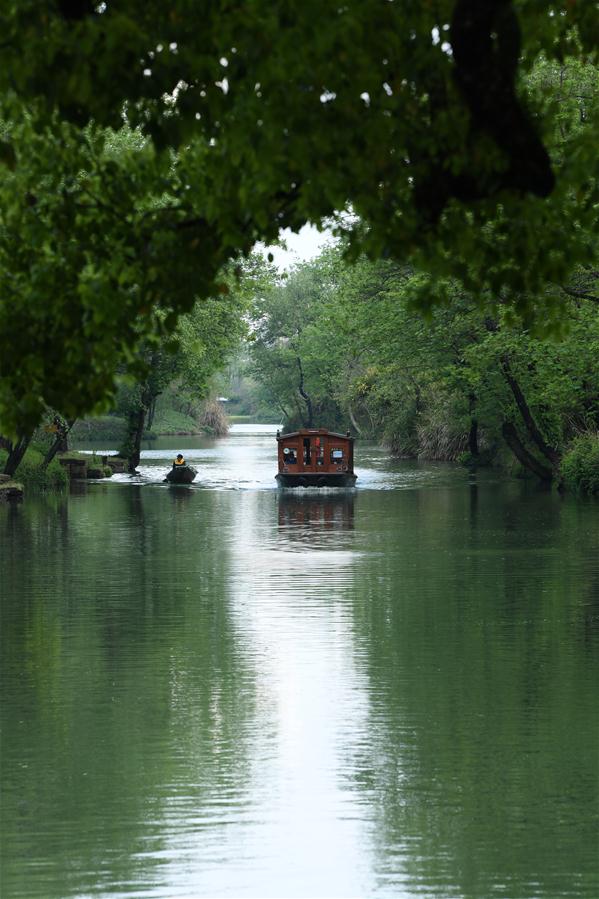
229 690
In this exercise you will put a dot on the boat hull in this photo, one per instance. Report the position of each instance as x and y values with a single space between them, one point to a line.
183 474
316 479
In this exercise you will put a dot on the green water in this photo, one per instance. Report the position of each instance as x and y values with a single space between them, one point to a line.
225 690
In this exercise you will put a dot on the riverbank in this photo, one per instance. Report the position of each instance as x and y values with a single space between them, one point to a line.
33 474
168 423
98 459
114 428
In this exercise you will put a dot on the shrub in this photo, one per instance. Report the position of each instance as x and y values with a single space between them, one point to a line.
56 476
214 418
580 464
400 430
31 473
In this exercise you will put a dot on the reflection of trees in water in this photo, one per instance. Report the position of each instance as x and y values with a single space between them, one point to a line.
589 623
484 719
125 694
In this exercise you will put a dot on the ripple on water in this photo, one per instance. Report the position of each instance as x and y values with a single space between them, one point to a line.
229 690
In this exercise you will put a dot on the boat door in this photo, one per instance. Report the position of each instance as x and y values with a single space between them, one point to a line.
313 453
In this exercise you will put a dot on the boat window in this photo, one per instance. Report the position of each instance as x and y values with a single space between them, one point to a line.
336 454
290 455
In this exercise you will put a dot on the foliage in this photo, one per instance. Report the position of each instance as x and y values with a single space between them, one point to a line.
240 120
200 344
402 111
461 386
207 335
34 475
85 231
291 352
248 399
101 427
580 465
214 418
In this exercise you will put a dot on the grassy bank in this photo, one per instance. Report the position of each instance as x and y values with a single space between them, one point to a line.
112 428
170 423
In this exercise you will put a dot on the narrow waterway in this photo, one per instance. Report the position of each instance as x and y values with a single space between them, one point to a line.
229 690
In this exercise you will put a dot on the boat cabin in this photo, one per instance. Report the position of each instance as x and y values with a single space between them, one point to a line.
315 457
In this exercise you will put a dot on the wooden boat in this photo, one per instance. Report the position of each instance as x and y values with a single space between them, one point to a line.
315 457
181 474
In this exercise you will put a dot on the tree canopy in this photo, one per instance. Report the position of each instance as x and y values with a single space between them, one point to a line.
396 108
434 124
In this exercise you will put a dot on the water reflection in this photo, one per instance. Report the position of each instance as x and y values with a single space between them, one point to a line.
129 703
217 692
289 589
305 513
78 488
472 673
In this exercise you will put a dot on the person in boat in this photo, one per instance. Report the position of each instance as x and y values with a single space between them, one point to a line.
179 461
290 457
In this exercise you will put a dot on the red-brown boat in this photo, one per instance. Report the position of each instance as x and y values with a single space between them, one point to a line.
315 457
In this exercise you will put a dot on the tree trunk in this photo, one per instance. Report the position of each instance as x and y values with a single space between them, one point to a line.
473 433
137 419
61 441
283 410
521 453
151 412
305 396
355 424
531 426
473 437
16 451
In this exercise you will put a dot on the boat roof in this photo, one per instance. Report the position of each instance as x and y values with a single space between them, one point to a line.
304 432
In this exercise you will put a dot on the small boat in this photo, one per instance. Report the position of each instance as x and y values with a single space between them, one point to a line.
181 474
315 457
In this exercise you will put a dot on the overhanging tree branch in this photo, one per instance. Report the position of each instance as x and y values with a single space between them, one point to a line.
512 439
531 426
306 398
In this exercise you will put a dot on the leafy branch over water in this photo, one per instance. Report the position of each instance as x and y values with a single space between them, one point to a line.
146 147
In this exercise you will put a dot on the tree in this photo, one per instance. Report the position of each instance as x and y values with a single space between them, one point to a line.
252 120
95 258
431 86
463 384
201 344
292 352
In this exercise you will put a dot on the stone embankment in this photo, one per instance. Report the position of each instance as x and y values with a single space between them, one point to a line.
78 466
10 491
81 466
